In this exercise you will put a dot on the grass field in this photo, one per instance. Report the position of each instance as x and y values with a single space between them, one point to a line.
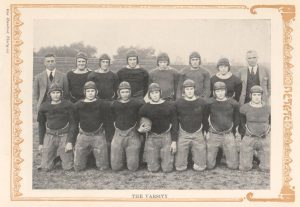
218 178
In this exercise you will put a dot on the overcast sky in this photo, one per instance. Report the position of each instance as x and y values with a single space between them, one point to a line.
211 38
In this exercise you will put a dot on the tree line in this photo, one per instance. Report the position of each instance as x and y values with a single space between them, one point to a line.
72 49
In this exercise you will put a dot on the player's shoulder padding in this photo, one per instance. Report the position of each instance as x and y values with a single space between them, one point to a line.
233 101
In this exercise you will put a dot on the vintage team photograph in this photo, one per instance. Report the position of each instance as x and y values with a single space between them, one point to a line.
171 104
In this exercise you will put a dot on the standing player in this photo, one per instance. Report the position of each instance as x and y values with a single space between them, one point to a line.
190 111
106 81
160 144
136 76
223 117
165 76
90 116
56 130
196 73
78 77
255 127
126 142
233 83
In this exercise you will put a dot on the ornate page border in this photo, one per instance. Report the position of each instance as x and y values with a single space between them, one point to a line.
287 193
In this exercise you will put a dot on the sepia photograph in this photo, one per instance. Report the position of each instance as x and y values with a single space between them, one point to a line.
151 104
161 103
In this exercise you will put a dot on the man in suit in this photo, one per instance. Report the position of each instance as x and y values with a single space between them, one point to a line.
43 80
254 74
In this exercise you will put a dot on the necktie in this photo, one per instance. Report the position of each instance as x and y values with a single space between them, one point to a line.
252 71
51 77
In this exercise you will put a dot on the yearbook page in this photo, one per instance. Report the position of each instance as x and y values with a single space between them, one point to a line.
147 103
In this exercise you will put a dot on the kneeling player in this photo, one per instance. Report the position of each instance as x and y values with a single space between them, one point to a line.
56 130
126 141
160 145
223 117
91 114
190 111
255 125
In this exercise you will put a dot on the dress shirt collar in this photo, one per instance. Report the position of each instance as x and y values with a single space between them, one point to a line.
254 68
49 71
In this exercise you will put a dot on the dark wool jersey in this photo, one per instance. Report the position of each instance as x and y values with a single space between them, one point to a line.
138 79
90 115
202 80
56 116
76 83
161 116
107 84
223 114
257 119
126 114
233 85
190 114
167 80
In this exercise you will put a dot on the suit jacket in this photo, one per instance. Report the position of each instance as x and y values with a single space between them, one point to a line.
40 85
264 79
